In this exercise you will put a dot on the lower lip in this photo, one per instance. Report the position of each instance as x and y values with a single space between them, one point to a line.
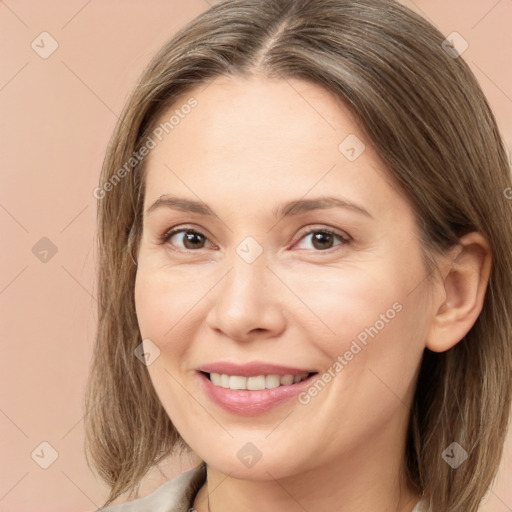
251 403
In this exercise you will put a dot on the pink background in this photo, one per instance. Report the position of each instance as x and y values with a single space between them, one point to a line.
57 115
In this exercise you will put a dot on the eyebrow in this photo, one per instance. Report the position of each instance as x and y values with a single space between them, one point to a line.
295 207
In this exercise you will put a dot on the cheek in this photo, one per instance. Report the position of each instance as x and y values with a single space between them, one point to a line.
163 304
170 307
151 303
371 316
381 343
344 303
161 309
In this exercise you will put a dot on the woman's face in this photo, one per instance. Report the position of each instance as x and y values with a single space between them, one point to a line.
251 280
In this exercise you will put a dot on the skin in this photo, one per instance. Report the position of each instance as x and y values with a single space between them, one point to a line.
248 146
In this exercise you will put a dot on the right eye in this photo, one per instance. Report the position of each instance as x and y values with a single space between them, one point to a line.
190 238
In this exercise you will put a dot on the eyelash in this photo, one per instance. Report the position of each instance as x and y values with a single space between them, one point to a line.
345 239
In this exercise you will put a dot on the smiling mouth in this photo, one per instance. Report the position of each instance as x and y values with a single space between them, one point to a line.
255 383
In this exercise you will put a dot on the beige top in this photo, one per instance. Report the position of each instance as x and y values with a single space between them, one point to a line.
176 495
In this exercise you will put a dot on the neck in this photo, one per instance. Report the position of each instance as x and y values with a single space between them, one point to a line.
365 475
276 497
367 478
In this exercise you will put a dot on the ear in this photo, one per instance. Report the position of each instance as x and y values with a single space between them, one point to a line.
462 292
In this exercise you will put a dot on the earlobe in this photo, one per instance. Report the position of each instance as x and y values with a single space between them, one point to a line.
464 284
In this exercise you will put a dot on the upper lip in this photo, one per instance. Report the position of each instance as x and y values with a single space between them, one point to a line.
251 369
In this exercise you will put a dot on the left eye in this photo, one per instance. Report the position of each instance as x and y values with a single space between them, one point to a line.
191 239
322 239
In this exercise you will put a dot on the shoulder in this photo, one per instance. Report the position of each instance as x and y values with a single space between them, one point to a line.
175 495
421 506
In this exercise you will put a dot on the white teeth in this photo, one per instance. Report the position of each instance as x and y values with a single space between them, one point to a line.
215 378
255 383
286 380
272 381
236 382
224 380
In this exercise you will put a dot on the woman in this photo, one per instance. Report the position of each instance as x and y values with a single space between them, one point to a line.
304 269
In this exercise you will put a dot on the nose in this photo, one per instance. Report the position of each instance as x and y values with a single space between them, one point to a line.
248 302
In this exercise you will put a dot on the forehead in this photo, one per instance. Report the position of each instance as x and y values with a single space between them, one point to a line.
259 108
262 138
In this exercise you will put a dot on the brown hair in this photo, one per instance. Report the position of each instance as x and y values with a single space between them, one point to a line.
425 114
